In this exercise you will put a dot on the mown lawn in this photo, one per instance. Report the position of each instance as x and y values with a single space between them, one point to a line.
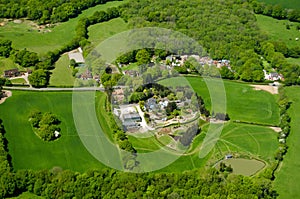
62 74
24 36
18 81
277 31
30 152
288 176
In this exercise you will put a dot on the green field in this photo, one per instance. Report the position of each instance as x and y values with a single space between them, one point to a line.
277 31
6 64
250 140
285 3
242 101
25 36
243 139
288 176
30 152
62 74
294 61
18 81
244 166
102 31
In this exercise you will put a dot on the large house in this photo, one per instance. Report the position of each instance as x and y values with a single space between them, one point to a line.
11 73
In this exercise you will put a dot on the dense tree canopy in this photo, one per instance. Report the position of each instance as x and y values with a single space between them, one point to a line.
227 31
45 11
39 78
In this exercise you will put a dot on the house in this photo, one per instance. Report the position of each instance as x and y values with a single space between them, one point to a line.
131 73
163 104
86 75
11 73
151 104
274 76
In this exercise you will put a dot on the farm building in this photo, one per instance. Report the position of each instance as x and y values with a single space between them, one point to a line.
135 117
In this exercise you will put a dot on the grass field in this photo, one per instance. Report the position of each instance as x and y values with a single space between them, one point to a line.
277 31
246 167
294 61
242 101
288 176
285 3
30 152
6 64
62 74
250 140
102 31
25 36
242 139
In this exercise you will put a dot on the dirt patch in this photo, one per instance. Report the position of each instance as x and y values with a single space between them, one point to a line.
271 89
276 129
17 21
5 95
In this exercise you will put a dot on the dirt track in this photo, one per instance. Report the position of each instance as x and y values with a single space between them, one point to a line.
271 89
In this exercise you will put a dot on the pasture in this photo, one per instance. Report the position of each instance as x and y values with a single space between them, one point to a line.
277 31
243 103
99 32
30 152
285 3
26 35
62 74
245 167
287 176
6 64
241 139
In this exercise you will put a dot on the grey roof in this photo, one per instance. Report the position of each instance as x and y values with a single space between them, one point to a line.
130 116
129 123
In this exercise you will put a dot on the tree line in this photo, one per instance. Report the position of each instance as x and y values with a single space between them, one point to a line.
275 11
44 11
